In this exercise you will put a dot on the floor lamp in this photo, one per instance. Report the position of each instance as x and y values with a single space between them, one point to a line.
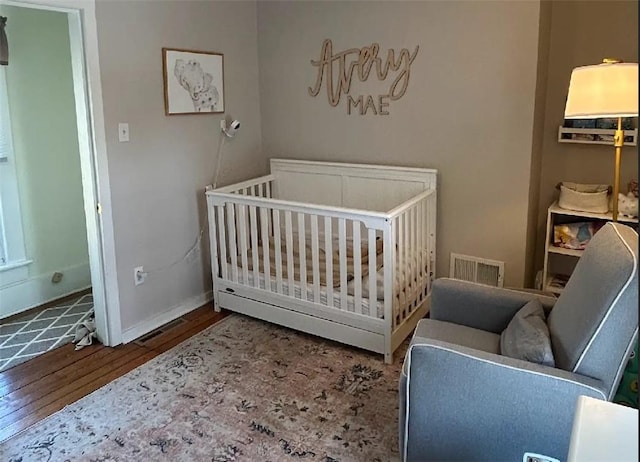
607 90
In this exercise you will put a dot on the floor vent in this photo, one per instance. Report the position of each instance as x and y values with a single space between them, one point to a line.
474 269
154 333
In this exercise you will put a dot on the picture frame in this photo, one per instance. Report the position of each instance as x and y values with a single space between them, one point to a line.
193 81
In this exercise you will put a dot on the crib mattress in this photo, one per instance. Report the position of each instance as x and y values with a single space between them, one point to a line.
308 293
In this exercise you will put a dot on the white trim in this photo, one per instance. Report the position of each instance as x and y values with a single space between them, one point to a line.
38 290
14 272
613 303
175 312
83 34
14 265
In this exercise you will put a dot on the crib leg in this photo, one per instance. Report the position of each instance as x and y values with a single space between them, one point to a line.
388 358
216 305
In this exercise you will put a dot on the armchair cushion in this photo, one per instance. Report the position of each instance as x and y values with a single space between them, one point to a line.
527 336
432 329
479 306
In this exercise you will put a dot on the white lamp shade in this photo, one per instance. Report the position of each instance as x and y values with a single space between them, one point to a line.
603 90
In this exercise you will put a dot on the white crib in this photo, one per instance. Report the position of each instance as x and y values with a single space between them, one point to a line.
342 251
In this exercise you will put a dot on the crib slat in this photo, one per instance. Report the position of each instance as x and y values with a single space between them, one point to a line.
315 258
302 260
420 230
266 260
255 250
357 268
402 270
342 246
328 254
278 249
289 244
391 305
242 230
268 190
373 298
233 242
261 190
222 241
414 255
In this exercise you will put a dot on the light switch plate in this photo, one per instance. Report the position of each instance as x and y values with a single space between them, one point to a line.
123 132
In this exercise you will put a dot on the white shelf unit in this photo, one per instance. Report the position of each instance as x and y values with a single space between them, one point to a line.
559 262
594 136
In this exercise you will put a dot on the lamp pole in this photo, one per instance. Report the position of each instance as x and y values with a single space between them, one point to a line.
618 141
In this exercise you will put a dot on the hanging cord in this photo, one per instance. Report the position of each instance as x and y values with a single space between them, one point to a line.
219 161
198 240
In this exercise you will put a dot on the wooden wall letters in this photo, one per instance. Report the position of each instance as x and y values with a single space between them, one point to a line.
361 61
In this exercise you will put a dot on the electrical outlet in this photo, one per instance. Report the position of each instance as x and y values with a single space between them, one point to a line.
123 132
139 275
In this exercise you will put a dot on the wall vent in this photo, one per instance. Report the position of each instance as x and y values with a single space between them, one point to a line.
474 269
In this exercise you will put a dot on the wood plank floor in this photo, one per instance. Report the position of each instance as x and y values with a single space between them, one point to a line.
31 391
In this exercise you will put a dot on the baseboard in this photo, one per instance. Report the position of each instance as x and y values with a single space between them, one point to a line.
39 290
175 312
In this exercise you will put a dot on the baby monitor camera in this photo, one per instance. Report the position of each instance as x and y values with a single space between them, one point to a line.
232 129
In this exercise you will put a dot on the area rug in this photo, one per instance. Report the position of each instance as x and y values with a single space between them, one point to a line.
242 390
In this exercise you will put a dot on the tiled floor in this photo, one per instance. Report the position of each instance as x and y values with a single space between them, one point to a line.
24 337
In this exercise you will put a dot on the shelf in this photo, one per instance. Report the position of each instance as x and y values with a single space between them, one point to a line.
594 136
556 271
553 290
599 216
563 251
553 285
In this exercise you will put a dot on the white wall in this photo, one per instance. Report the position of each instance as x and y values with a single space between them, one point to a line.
43 121
158 178
468 110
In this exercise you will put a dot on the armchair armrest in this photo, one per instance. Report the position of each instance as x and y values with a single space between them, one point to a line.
479 306
457 403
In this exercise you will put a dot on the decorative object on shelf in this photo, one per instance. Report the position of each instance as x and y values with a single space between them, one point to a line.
584 197
193 81
632 187
628 205
575 235
605 90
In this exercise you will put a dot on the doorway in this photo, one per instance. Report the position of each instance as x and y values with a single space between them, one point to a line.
97 226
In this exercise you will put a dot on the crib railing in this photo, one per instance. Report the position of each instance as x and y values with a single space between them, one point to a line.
413 227
327 256
256 187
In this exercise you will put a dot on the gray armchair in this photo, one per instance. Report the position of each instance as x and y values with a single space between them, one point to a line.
461 400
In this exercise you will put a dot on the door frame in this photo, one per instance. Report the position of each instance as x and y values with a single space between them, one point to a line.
83 38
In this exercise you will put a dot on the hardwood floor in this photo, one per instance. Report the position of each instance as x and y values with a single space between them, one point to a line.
31 391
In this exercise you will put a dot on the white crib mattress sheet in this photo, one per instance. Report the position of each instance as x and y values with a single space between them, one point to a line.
297 292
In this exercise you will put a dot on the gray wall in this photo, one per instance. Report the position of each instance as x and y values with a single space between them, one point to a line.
582 32
158 178
468 111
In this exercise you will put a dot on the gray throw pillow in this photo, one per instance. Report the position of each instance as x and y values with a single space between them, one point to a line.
527 336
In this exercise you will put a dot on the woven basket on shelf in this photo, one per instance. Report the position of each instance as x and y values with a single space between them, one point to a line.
584 197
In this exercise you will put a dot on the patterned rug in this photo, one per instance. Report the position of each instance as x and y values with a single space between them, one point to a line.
28 335
242 390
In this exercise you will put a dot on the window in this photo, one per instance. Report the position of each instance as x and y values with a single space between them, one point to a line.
12 252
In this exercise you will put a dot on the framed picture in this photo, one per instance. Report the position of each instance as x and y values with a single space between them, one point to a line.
193 82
